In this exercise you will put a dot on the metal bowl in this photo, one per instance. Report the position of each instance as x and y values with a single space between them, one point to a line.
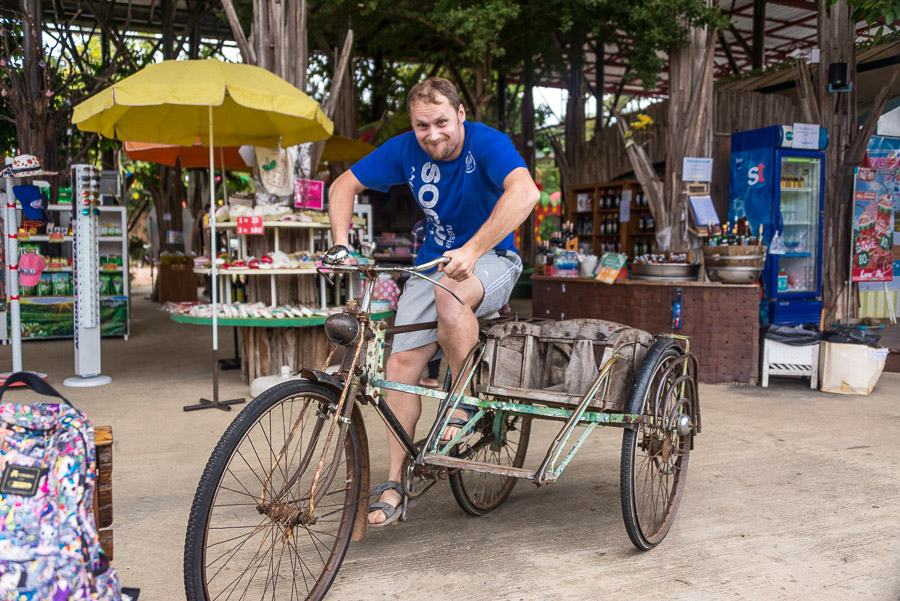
733 275
684 271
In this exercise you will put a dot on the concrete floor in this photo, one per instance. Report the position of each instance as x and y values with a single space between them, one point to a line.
791 494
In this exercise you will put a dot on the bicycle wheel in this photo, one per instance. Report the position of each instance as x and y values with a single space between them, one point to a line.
245 537
477 492
655 457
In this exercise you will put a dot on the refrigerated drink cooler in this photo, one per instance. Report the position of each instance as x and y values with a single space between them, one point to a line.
782 189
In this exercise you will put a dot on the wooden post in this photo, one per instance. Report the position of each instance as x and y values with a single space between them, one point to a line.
837 44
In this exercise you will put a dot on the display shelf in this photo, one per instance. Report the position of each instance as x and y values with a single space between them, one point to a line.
795 255
247 271
257 322
45 238
230 225
628 232
68 298
111 238
798 223
796 189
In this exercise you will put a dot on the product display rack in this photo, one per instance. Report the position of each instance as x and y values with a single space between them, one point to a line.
223 275
52 316
586 209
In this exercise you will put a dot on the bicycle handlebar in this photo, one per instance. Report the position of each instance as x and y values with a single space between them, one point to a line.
334 258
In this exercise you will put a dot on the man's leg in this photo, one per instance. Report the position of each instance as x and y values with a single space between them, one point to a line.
457 328
404 367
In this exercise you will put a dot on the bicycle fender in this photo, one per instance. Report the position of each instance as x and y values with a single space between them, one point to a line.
324 379
365 486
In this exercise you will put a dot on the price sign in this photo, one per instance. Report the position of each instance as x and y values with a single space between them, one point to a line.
610 265
250 225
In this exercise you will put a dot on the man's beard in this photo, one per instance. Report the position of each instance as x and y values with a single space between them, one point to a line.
448 149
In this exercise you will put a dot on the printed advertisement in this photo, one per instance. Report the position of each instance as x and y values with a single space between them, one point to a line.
873 225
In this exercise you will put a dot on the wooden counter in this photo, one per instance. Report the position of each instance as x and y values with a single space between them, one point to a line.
721 319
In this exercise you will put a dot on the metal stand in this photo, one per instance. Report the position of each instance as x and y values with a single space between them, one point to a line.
215 402
235 362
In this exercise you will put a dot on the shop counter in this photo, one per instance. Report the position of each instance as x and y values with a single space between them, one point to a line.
267 344
721 319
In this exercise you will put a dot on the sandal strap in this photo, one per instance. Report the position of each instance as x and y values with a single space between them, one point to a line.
384 506
389 485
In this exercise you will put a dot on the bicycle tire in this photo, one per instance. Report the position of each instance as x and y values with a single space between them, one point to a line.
241 492
470 489
654 461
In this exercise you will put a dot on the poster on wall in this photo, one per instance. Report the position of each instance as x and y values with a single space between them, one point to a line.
873 225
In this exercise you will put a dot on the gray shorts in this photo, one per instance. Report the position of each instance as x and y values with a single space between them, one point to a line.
498 275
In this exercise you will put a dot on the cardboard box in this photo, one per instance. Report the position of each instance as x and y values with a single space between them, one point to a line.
850 368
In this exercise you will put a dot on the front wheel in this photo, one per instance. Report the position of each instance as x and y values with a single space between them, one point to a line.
248 536
500 439
655 455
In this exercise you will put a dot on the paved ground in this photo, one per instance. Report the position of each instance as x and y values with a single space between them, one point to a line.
791 494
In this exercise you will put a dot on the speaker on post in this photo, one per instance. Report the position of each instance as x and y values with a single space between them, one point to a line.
838 77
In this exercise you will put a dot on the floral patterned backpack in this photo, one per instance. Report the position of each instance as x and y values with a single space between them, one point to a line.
49 547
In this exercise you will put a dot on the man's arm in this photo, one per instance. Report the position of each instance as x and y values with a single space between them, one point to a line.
340 205
512 208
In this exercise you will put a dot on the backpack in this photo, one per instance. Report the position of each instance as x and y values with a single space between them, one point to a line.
49 547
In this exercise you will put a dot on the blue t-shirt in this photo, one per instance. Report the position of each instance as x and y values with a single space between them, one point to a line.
457 196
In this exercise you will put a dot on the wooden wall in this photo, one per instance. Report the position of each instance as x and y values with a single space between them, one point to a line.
603 157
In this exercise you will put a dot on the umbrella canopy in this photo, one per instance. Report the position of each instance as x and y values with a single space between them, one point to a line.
168 103
347 150
191 156
337 149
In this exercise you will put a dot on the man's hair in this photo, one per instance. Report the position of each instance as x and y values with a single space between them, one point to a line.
428 90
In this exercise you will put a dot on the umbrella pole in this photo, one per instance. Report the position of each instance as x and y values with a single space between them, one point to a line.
214 285
234 363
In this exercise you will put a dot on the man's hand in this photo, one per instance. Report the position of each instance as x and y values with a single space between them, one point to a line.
461 265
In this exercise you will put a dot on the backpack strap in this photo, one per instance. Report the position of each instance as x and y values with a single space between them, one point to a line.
39 385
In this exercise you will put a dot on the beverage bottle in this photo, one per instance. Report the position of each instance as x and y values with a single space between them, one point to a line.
641 224
649 223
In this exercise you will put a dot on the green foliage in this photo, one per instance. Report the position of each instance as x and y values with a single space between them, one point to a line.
872 12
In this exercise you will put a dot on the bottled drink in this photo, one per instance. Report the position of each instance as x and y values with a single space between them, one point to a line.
641 224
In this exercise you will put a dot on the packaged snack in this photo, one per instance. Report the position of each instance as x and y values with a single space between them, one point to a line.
116 284
44 285
104 284
60 284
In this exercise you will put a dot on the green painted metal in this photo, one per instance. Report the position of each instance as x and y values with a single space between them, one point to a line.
462 432
517 408
498 429
290 322
562 466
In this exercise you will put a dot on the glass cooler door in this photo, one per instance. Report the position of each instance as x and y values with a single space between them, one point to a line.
799 208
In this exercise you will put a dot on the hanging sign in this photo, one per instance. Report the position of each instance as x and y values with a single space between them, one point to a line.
806 136
252 224
609 267
308 194
873 225
696 169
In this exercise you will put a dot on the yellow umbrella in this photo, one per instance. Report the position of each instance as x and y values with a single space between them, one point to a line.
174 102
346 150
168 103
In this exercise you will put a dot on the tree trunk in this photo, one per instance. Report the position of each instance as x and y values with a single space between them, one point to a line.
528 241
837 112
689 132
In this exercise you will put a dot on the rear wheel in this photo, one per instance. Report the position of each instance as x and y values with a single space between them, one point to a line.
500 439
248 536
655 456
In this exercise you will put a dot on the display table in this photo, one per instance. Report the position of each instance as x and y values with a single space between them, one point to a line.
721 319
267 344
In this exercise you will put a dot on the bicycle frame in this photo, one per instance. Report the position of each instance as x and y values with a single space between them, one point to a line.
361 378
